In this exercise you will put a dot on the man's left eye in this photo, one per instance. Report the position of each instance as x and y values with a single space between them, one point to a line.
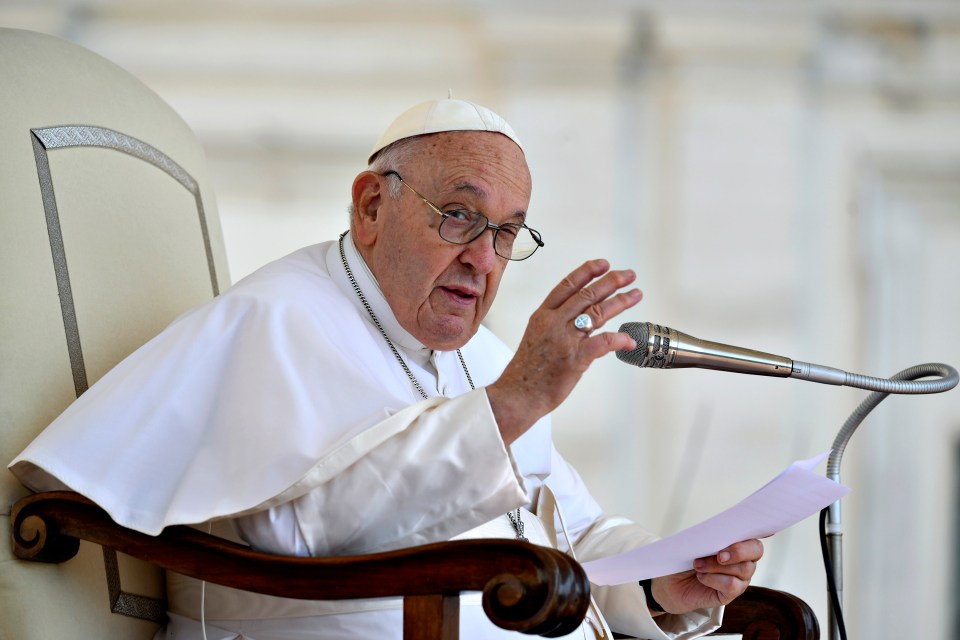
512 229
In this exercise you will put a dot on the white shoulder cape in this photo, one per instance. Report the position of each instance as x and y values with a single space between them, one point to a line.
230 408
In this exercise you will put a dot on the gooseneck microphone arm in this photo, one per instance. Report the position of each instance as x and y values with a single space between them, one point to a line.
661 347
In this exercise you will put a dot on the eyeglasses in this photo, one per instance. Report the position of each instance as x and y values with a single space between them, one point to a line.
459 226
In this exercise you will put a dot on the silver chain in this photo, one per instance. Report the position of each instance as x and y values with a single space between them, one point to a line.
373 316
514 520
517 525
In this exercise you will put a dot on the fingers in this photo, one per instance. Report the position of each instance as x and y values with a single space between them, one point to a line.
599 345
731 569
745 550
611 306
740 571
591 289
726 588
727 560
576 280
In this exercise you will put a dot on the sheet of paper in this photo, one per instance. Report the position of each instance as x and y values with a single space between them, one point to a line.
797 493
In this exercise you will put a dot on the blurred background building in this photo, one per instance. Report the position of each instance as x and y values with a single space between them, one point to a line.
783 175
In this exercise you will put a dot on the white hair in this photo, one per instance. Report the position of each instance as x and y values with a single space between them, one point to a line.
395 157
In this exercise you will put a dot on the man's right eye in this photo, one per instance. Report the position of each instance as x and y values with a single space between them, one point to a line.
460 215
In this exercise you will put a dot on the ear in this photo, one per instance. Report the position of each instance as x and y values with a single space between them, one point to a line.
367 199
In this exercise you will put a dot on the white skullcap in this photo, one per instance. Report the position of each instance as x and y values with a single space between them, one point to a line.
436 116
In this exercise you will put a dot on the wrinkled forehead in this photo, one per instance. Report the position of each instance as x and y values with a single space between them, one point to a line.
480 160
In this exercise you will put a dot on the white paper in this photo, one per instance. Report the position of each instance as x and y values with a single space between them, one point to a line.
797 493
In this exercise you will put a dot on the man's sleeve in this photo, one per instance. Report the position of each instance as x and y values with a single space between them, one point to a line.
409 480
595 535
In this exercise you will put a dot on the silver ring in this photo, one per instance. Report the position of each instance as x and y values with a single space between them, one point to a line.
583 322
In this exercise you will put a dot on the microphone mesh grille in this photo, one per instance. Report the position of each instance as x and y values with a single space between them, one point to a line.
640 332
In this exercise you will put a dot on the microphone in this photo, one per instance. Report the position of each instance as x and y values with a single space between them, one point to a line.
661 347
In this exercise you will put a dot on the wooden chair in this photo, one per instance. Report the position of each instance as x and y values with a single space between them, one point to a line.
110 231
525 587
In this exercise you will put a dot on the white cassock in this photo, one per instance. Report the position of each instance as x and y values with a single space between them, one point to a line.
277 412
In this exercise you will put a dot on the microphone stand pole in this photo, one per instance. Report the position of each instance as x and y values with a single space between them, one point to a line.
881 389
834 531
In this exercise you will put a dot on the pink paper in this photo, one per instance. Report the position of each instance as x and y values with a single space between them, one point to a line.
792 496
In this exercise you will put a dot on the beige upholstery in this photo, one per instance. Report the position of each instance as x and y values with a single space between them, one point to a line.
109 231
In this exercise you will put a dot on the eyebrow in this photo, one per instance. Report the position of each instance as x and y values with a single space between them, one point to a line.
482 194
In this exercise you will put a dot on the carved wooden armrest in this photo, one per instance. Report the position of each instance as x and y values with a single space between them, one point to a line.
767 614
525 587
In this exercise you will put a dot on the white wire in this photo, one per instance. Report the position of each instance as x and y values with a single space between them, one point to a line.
203 597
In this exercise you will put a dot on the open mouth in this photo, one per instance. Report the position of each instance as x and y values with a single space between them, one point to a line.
460 294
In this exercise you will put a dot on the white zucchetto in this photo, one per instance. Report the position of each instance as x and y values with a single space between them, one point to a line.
436 116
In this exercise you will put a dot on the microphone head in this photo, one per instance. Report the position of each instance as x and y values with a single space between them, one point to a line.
640 332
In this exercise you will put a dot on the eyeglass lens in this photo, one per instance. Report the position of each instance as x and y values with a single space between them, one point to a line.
511 241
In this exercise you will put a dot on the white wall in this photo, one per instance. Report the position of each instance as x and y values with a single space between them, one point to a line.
781 176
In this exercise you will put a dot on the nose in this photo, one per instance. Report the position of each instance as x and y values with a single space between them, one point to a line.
479 253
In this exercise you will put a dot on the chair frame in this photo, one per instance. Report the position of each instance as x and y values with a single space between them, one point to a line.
527 588
768 614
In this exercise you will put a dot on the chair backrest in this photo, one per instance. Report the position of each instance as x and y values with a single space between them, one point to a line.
109 230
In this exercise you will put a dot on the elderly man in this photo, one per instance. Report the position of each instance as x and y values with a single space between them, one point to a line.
347 399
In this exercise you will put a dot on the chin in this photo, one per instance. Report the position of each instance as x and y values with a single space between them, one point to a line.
448 345
451 339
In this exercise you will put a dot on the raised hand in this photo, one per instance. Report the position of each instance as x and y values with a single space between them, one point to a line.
554 354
